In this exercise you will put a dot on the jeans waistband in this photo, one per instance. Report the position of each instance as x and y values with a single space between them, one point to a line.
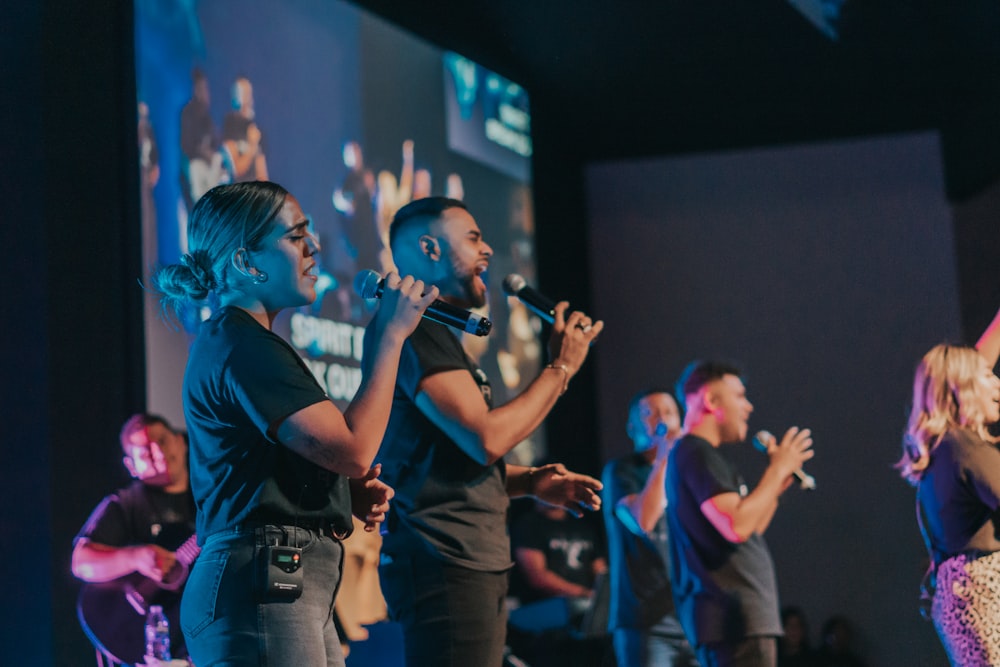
318 525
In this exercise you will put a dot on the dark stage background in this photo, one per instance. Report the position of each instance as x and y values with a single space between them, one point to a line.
824 270
72 353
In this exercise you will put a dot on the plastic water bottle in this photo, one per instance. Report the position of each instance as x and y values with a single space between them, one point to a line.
157 633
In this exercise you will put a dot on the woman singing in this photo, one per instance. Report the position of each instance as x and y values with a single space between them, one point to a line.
954 462
276 468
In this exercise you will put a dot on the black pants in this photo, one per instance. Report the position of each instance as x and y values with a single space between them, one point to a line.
451 616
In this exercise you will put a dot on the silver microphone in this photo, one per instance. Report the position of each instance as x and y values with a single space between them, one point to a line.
806 481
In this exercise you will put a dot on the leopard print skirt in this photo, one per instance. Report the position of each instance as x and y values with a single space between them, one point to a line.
966 609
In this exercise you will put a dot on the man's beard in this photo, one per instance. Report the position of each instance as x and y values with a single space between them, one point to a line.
475 298
467 285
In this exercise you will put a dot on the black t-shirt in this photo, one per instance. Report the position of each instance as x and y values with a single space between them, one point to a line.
235 126
959 495
724 592
141 514
638 564
446 504
196 124
570 547
240 380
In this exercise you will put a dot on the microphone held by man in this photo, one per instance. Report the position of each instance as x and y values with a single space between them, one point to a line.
763 440
515 285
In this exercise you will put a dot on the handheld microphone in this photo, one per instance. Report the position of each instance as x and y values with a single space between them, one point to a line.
370 285
806 482
544 307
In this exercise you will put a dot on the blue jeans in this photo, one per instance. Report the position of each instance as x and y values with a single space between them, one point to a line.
451 616
647 648
228 622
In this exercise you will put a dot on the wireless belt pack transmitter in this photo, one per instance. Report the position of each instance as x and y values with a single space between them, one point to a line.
283 572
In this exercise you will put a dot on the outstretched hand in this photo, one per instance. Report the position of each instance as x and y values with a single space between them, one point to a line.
554 485
370 498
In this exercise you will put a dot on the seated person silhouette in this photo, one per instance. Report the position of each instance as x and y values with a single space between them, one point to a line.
138 544
560 564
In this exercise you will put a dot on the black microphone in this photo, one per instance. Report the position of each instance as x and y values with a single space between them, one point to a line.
370 285
541 305
806 482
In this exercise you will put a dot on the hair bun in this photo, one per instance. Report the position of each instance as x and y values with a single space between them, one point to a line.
203 276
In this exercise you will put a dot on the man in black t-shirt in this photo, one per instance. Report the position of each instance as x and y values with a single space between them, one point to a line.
145 528
445 553
555 555
721 570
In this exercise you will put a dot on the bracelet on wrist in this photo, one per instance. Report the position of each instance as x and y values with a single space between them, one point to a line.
565 369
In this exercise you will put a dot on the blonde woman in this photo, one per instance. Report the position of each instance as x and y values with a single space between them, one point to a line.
953 461
276 468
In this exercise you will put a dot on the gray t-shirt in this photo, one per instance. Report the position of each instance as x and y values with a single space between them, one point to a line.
446 504
724 592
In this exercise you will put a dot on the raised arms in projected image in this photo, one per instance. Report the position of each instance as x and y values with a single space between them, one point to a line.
952 459
392 194
709 504
277 469
450 516
366 204
355 241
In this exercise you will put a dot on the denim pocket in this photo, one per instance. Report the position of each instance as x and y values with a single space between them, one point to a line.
198 606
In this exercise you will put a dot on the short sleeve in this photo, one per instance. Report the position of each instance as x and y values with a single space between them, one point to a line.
107 524
618 483
269 380
430 349
705 472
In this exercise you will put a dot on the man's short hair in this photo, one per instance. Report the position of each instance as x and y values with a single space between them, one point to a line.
633 403
421 210
140 421
699 373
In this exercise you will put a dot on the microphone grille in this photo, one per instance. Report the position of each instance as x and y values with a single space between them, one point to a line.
366 284
761 439
513 284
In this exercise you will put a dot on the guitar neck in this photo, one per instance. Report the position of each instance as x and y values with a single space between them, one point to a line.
188 552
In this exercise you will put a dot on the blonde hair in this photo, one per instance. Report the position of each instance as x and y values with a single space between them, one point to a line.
944 389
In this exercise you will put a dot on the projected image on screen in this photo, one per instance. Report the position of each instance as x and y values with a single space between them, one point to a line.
355 118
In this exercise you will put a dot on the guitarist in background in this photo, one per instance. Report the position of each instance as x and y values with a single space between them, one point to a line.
130 548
